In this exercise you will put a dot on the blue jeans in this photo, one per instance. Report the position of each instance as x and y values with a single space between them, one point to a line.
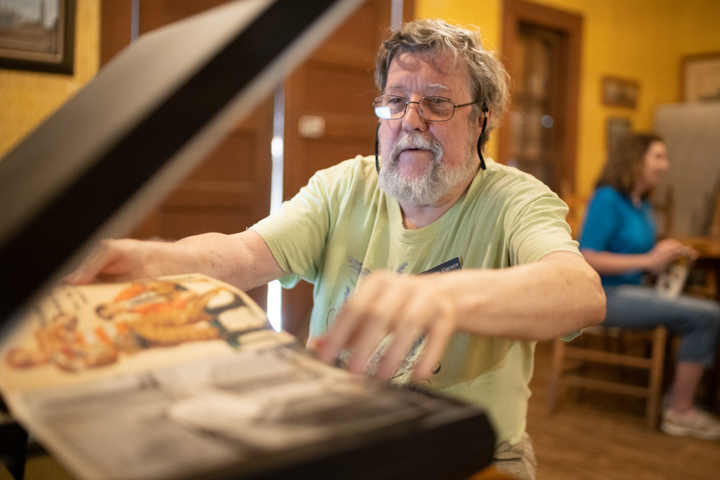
696 319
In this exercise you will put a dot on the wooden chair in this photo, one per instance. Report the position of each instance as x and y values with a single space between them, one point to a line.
576 377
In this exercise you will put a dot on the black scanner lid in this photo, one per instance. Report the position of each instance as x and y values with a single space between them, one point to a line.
109 155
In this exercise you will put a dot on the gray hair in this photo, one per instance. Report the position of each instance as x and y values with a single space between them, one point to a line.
488 78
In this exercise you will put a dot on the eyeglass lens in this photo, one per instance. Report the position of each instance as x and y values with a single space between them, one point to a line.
391 107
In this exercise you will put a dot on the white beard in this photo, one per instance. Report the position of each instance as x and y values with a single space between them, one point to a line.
437 180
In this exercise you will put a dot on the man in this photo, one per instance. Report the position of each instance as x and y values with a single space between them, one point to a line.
361 229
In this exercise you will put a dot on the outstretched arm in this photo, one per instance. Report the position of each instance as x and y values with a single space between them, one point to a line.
554 296
242 259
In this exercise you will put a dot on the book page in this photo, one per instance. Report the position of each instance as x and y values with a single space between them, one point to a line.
178 376
671 282
80 333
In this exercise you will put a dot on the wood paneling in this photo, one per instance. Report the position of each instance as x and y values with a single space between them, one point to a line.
230 190
156 13
115 19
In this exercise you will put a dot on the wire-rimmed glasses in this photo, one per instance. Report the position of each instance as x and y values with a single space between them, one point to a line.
432 109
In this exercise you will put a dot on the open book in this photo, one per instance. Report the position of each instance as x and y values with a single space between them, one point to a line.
183 377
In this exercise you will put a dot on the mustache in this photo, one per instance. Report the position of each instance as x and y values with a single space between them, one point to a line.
414 140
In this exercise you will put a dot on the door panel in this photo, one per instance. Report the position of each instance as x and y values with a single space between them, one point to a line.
230 190
542 50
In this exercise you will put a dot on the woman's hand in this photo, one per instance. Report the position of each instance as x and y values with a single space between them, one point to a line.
665 251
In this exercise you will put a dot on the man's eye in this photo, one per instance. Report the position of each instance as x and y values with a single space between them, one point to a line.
396 100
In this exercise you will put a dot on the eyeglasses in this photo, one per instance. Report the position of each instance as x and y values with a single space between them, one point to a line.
432 109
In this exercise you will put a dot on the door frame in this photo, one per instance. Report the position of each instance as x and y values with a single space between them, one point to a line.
516 12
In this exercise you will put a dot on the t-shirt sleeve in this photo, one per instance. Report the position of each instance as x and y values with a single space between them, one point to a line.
538 227
600 222
297 234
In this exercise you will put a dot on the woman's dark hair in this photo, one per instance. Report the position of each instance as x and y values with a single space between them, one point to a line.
625 162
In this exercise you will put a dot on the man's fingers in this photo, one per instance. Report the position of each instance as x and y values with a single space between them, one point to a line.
114 260
363 343
89 268
438 335
437 340
379 319
358 328
338 335
404 307
403 340
361 322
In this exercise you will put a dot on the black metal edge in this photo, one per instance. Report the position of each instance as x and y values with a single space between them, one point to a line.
42 245
452 444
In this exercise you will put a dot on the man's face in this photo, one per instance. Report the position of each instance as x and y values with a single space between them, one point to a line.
433 158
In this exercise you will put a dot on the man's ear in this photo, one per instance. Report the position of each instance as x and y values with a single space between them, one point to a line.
486 114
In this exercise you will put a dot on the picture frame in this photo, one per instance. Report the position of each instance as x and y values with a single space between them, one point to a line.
615 129
620 92
700 77
37 35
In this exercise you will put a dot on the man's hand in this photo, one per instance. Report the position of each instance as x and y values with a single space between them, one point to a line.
242 259
117 260
407 307
554 296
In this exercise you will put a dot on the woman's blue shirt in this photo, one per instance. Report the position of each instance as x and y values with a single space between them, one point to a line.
613 224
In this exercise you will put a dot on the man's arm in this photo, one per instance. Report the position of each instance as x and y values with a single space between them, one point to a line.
557 295
242 259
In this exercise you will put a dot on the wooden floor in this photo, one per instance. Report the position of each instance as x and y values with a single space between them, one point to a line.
592 438
603 436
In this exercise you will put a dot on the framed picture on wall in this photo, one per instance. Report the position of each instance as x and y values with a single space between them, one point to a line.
37 35
700 77
616 128
620 92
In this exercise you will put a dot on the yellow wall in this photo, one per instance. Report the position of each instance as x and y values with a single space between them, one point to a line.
26 98
642 40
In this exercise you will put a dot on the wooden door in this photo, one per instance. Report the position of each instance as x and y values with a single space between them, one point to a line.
541 46
329 116
230 190
328 119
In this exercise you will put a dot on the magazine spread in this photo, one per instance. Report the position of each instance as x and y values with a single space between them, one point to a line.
176 376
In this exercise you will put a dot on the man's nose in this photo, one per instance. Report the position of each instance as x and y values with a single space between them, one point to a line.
412 119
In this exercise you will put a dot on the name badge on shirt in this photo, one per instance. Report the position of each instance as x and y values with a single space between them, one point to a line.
448 266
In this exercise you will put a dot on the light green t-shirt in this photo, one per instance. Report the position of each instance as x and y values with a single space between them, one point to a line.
341 226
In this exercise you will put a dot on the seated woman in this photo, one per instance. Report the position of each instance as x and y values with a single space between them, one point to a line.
619 240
